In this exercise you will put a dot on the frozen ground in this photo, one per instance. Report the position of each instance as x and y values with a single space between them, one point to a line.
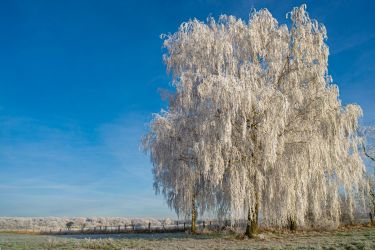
354 238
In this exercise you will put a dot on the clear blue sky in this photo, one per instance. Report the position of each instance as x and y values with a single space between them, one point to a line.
79 81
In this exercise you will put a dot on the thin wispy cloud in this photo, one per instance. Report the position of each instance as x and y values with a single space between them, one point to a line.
56 164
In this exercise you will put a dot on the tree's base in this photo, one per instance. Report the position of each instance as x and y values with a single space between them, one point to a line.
292 224
251 231
372 222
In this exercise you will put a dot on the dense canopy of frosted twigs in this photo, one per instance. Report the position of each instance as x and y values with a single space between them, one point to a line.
255 117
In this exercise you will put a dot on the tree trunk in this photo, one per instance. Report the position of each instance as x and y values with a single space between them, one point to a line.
252 219
248 232
371 218
292 223
255 215
193 216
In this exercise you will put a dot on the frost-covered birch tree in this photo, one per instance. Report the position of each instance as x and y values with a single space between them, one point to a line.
255 126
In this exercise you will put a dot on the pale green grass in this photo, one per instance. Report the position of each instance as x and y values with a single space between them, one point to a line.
355 238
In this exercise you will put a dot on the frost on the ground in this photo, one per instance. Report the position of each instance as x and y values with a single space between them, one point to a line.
361 238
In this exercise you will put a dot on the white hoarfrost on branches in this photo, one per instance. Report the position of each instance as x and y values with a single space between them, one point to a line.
255 124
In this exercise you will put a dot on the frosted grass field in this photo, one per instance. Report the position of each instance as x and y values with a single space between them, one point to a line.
354 238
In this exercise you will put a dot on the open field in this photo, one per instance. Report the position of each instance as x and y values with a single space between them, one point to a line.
349 238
